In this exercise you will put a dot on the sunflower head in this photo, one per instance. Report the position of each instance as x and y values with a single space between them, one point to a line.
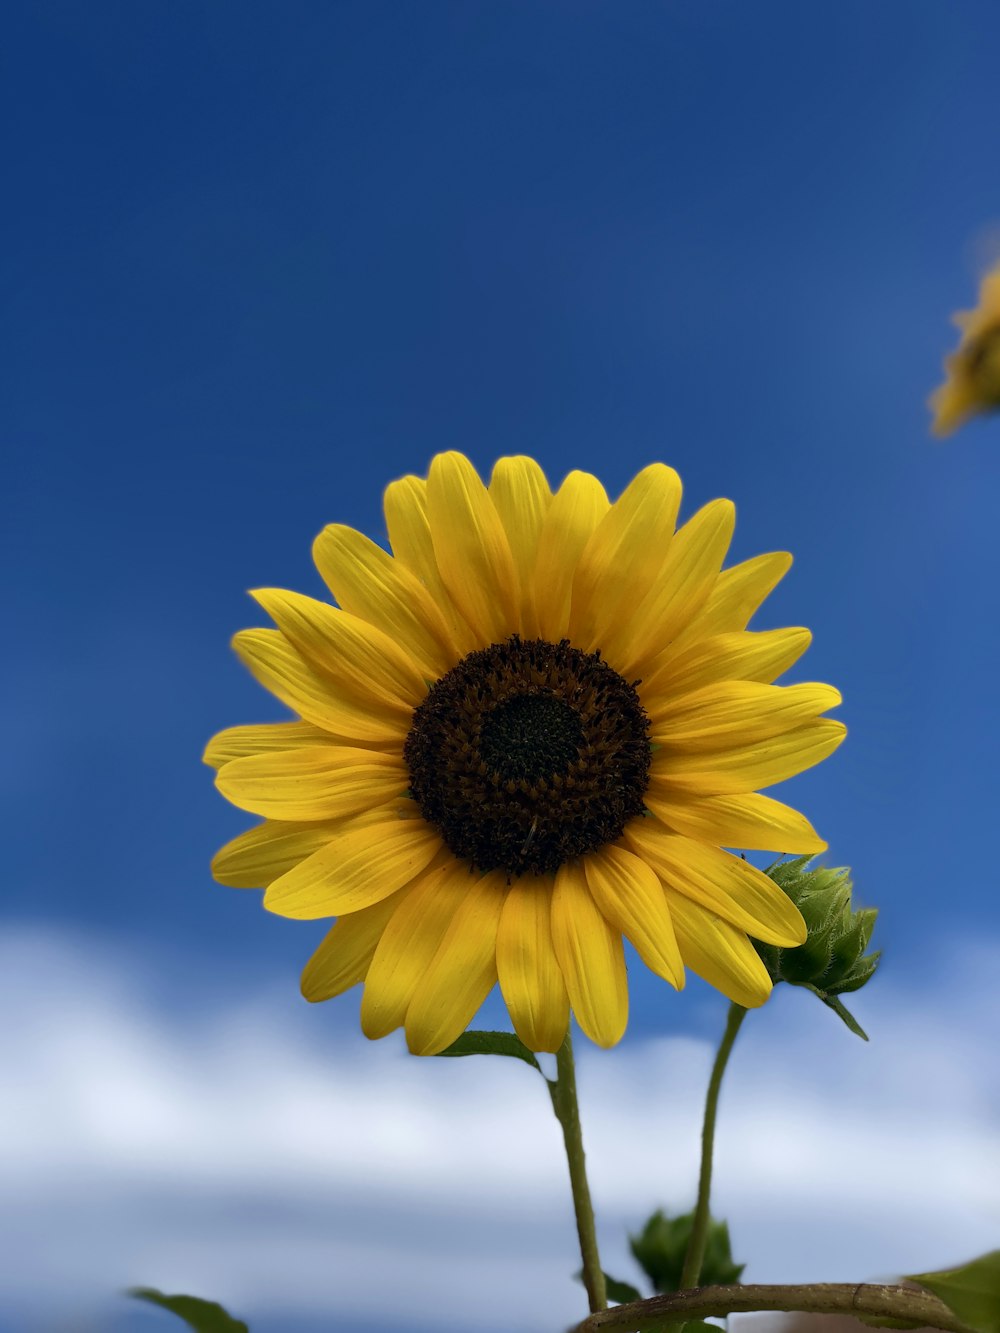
972 372
522 735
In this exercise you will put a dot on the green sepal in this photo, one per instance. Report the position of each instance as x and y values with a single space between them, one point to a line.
202 1316
492 1043
972 1291
699 1326
840 1009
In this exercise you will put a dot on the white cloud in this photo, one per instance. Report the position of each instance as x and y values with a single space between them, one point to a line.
241 1154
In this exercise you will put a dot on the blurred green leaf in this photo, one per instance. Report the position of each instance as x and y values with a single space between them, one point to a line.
202 1316
662 1244
972 1291
492 1043
622 1293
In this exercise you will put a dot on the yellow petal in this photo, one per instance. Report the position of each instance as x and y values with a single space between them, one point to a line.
630 897
408 945
370 584
360 658
625 554
733 711
719 953
760 655
694 558
530 978
409 530
364 862
267 851
471 548
577 508
737 594
238 742
591 957
462 972
521 494
746 768
751 821
321 782
733 889
283 671
343 958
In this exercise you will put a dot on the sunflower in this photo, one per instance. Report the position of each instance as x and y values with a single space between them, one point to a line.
972 372
526 735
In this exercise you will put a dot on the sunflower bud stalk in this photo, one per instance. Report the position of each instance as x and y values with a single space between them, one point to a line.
832 961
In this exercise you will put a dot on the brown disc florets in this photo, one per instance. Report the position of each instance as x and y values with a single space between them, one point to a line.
528 753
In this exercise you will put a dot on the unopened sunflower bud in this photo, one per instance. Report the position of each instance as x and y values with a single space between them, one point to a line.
832 961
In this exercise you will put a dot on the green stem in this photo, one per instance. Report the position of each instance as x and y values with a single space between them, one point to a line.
695 1256
566 1107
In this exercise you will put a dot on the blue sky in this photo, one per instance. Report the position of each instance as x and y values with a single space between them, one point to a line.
260 260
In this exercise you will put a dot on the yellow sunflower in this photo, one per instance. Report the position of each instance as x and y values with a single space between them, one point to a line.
524 736
972 373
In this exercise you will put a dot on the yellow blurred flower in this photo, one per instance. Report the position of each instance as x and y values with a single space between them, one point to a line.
972 373
526 734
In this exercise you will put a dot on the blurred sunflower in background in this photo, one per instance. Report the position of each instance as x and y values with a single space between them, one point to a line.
972 373
526 734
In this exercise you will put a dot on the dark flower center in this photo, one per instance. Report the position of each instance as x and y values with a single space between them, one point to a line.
528 753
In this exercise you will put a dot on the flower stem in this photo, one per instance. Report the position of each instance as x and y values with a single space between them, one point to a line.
566 1107
903 1306
695 1255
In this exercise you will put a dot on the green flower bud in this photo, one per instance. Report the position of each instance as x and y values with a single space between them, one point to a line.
832 961
662 1244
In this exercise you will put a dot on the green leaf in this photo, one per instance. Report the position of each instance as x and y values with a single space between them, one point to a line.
492 1043
622 1293
202 1316
699 1326
972 1291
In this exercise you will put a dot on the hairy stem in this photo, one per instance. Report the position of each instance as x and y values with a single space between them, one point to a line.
695 1256
914 1307
566 1107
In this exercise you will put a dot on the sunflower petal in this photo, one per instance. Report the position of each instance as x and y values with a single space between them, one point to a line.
471 548
281 669
262 738
530 978
521 494
719 953
739 710
370 584
462 972
760 655
689 573
267 851
344 956
591 957
752 821
630 897
737 594
360 658
731 888
319 782
408 946
576 510
364 862
409 529
625 553
745 768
